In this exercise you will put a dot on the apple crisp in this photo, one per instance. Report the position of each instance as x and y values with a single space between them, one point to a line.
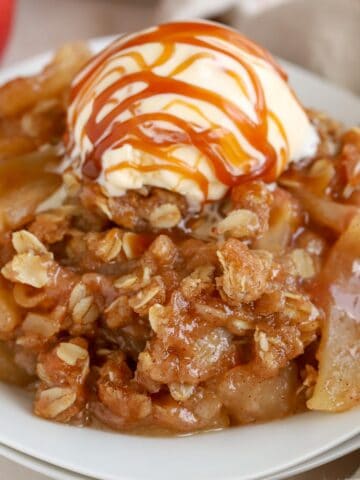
138 313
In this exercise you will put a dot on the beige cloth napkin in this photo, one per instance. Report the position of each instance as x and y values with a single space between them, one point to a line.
321 35
356 475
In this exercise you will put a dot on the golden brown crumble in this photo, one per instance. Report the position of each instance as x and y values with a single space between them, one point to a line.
131 311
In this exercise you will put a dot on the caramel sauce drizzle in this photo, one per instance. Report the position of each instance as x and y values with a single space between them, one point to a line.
217 144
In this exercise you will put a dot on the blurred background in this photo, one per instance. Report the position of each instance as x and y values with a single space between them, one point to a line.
321 35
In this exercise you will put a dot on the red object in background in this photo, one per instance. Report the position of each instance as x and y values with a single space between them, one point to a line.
6 14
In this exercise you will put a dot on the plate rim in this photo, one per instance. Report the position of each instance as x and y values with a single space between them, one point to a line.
39 466
44 468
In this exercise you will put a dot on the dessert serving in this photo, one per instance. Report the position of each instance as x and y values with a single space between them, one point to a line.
179 237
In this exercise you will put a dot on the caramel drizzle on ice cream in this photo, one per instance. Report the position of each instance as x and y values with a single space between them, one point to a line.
157 132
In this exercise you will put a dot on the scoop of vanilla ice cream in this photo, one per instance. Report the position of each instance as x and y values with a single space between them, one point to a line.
190 107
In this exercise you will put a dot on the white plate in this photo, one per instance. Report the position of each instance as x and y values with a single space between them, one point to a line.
21 467
249 452
329 456
56 473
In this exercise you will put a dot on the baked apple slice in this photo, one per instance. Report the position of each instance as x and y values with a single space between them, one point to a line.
338 384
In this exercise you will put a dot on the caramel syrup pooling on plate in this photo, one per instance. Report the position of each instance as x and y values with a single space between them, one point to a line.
156 133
